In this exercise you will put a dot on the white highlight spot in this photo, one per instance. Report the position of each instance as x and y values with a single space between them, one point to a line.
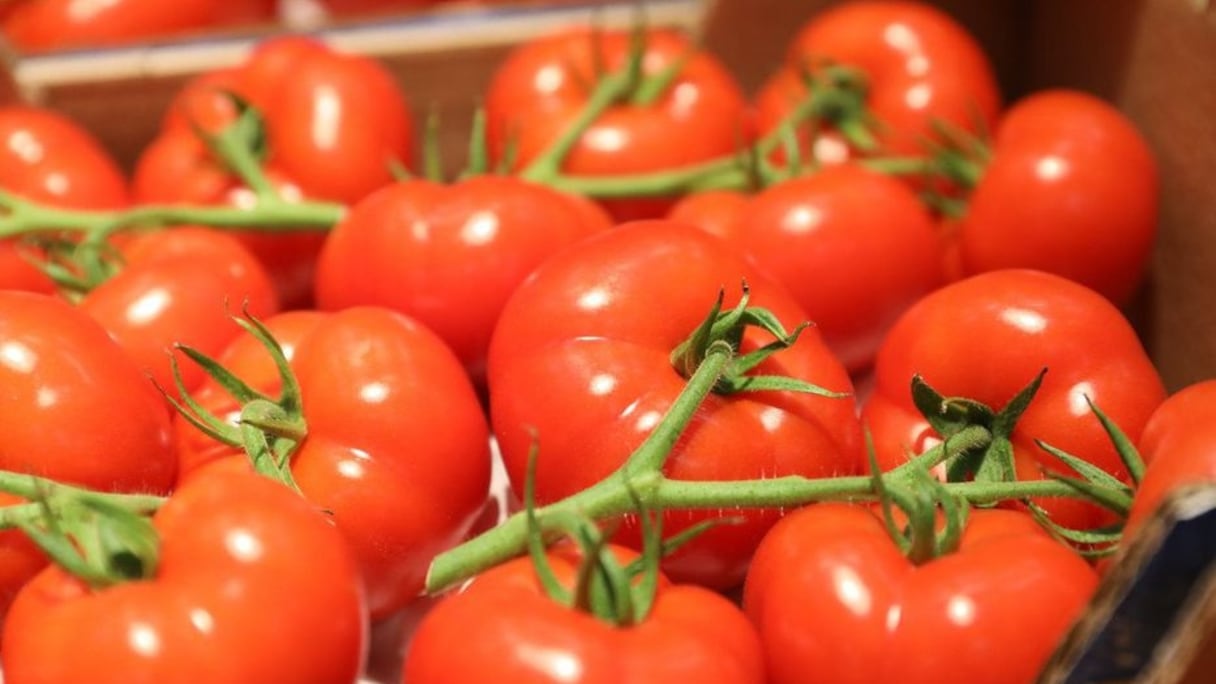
549 79
148 306
593 299
803 220
328 116
1051 168
772 418
894 614
202 620
143 639
961 611
602 384
559 665
351 469
901 37
243 546
17 357
1076 398
46 397
647 421
374 392
851 592
606 139
1025 320
26 146
480 229
918 96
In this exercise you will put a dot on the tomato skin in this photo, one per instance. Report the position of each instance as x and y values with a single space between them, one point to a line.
581 356
1179 446
854 247
397 446
48 158
992 612
41 25
543 85
238 553
180 286
1071 188
20 559
495 629
713 212
77 408
921 65
986 338
448 256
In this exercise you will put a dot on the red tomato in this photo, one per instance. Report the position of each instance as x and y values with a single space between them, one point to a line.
20 559
853 246
48 158
333 121
919 63
1071 188
835 601
504 628
544 84
987 337
1179 445
581 355
249 576
397 446
448 256
180 286
714 211
75 407
40 25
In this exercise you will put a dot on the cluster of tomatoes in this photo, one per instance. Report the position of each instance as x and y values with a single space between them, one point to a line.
303 352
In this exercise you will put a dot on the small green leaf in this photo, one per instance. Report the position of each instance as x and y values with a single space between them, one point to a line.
1085 469
1103 536
997 464
1123 444
774 383
1116 500
1005 420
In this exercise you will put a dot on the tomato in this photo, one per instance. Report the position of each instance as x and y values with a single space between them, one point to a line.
504 628
180 286
581 360
853 246
46 157
20 559
333 121
835 601
1179 446
713 211
75 407
249 576
920 66
397 446
1071 188
448 256
986 338
40 25
542 85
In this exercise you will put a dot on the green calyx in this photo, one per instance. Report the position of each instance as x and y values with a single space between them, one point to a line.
270 429
101 538
729 327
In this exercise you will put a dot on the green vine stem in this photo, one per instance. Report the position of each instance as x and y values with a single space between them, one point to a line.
640 478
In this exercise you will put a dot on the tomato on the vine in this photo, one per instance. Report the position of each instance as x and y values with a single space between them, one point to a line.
836 602
919 66
1070 187
334 124
46 157
542 86
76 407
179 286
253 586
504 628
854 247
989 336
448 256
581 364
397 447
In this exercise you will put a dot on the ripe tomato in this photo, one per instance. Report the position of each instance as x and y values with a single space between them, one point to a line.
1071 188
853 246
1179 446
334 122
504 628
448 256
248 573
581 360
919 63
714 211
987 337
539 89
48 158
40 25
20 559
835 601
180 286
75 407
397 447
